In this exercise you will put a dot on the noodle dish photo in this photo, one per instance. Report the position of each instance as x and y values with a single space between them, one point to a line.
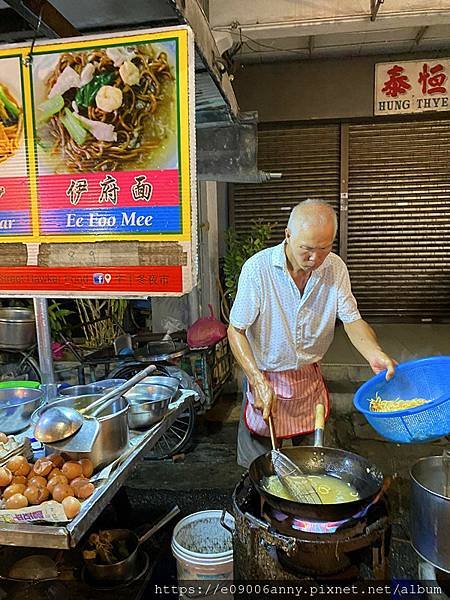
106 109
11 118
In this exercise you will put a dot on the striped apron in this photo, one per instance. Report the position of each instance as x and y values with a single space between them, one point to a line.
298 392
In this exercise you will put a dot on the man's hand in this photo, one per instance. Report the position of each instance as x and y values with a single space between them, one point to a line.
263 394
363 337
264 397
380 361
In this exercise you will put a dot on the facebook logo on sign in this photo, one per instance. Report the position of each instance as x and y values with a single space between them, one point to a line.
98 278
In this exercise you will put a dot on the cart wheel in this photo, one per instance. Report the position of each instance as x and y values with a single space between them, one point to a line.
178 437
16 366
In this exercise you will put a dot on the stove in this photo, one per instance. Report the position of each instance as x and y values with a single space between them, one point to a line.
287 547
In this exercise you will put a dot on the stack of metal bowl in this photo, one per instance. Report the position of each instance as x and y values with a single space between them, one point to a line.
149 400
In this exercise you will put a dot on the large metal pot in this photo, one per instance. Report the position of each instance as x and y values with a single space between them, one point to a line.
17 328
112 438
430 510
17 406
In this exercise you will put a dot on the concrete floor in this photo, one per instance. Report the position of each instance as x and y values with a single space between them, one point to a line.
208 474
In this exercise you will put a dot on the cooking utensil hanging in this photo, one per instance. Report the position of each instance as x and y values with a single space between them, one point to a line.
59 423
291 477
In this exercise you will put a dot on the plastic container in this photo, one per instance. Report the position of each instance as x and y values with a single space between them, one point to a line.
427 378
203 548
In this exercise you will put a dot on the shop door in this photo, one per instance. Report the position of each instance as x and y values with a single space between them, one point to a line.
308 158
398 251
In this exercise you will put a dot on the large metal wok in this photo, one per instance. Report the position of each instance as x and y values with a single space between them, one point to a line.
365 477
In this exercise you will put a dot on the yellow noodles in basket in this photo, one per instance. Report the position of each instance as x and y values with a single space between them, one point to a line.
378 405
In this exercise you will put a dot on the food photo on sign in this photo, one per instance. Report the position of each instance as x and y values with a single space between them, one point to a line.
14 187
106 109
106 122
11 116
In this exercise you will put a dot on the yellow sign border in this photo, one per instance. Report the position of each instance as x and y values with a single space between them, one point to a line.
184 57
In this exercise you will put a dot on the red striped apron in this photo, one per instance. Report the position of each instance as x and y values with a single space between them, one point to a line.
298 392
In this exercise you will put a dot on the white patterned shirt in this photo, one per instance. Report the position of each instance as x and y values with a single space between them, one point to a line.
288 329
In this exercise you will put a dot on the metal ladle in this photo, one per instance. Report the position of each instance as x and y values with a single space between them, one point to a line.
60 422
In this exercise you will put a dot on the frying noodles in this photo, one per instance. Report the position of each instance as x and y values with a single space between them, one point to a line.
102 106
10 124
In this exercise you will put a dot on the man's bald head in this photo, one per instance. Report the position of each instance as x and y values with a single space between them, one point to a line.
311 214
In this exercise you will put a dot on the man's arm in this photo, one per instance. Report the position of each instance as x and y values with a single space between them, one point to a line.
263 392
363 337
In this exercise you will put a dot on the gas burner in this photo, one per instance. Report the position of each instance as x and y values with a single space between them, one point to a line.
285 546
290 524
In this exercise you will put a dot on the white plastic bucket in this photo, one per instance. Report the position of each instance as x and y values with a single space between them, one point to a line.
203 548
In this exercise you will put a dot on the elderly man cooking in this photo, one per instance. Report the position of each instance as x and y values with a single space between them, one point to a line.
282 323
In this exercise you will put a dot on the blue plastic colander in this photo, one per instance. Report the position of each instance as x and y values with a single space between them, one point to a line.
427 378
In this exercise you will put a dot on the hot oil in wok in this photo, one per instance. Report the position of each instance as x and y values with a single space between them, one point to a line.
331 490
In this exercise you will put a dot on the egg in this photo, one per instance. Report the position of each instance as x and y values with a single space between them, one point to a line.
18 465
55 480
87 467
5 476
61 491
38 481
16 501
71 506
56 459
82 488
53 473
20 479
14 488
35 494
43 466
72 470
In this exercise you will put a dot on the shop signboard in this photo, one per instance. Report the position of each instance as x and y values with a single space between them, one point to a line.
413 86
97 166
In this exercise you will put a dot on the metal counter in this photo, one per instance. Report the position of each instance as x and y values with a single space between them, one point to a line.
68 535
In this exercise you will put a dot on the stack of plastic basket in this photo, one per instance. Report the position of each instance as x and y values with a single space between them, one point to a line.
427 378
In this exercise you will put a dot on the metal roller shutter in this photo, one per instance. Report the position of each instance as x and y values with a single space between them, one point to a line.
308 158
399 219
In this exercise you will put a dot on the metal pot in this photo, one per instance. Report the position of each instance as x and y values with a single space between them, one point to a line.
106 384
166 380
80 390
17 328
112 439
17 406
126 568
149 403
430 510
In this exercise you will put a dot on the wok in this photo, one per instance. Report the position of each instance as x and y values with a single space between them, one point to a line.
365 477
